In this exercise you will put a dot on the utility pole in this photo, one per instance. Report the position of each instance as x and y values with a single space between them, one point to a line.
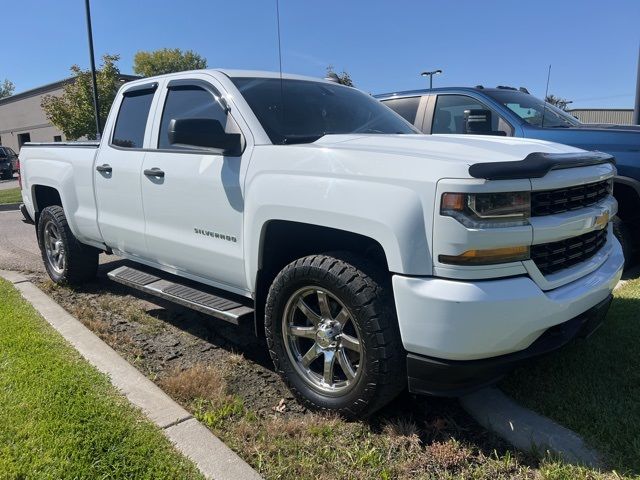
96 104
636 109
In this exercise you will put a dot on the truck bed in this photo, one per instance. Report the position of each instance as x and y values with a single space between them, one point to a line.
67 167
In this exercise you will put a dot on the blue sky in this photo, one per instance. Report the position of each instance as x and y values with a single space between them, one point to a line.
591 45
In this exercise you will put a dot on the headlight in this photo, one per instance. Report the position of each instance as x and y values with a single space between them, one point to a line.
487 210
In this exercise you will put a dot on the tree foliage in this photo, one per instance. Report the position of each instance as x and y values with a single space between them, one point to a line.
343 78
73 111
166 60
559 102
6 88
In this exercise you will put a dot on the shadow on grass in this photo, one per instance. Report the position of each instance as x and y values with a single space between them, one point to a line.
593 386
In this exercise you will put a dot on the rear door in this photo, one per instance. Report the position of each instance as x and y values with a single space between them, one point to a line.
118 168
194 211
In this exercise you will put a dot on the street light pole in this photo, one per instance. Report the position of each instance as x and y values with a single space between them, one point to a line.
96 105
636 109
430 75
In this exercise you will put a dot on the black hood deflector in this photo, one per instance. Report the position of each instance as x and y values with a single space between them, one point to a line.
537 165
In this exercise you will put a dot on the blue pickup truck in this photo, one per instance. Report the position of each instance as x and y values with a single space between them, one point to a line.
507 111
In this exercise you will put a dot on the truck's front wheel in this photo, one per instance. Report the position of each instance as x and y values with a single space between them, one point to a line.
333 334
65 258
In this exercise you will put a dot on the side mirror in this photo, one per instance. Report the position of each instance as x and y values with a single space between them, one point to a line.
204 133
477 121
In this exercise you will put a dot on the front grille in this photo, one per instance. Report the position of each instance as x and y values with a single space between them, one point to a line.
549 202
551 257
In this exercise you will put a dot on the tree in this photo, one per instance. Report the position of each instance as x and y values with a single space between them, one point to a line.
166 60
343 78
559 102
73 111
6 88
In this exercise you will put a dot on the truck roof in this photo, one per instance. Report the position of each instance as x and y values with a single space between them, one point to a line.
424 91
232 73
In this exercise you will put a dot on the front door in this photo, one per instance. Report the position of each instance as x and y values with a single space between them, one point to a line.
193 198
117 173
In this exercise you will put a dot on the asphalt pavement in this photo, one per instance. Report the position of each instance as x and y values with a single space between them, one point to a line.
7 184
18 245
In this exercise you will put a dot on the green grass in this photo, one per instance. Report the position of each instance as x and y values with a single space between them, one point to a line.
593 386
12 195
60 418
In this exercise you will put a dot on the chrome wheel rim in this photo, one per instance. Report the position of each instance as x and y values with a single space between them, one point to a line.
322 340
54 247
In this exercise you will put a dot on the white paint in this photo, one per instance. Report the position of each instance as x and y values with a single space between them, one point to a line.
386 187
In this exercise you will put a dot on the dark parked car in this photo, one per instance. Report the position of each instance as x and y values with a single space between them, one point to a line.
507 111
8 163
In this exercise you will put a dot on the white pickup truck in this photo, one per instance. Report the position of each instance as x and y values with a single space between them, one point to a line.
372 257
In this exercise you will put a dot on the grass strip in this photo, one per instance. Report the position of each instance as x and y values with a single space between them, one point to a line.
60 418
593 385
11 195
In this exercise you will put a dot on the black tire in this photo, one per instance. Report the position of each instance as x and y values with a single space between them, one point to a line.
7 175
80 261
624 235
365 291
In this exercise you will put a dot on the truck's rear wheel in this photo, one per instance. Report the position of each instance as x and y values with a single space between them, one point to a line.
65 258
333 335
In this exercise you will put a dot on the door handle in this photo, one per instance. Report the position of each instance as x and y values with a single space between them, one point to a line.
154 172
104 168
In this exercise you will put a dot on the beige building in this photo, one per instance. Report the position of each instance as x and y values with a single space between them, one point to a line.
620 116
23 120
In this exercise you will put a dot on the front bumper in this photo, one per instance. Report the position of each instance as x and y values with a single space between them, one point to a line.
434 376
450 321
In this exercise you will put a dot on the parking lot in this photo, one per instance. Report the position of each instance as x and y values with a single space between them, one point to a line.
7 184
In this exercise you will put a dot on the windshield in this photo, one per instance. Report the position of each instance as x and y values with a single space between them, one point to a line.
302 111
532 109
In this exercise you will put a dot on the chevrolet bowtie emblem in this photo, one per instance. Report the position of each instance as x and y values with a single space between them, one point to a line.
601 220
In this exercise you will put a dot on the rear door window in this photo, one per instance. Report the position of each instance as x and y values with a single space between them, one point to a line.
132 119
407 107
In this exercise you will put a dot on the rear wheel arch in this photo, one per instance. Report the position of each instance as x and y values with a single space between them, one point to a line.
44 196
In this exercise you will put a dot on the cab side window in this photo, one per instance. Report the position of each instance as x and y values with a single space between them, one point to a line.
407 107
132 119
449 115
188 101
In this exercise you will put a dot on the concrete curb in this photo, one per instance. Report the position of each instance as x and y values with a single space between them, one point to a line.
6 207
527 430
213 458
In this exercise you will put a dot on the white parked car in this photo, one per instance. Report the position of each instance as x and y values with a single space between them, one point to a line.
372 257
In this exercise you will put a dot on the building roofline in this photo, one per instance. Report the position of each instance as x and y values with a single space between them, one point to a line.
49 87
600 109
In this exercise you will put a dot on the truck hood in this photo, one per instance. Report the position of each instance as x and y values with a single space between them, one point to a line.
608 127
460 149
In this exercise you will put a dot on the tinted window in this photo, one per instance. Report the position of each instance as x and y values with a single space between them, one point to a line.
132 119
407 108
188 102
449 115
302 111
533 110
